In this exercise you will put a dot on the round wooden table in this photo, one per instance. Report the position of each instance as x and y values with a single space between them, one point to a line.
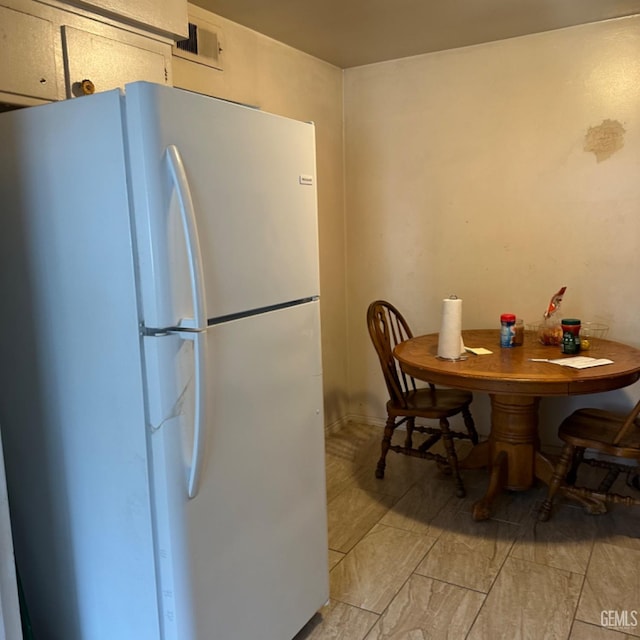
515 385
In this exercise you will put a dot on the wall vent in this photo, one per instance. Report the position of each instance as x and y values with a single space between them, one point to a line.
204 44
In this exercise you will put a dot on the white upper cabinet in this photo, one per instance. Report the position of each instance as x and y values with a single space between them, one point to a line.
95 63
28 67
53 50
168 17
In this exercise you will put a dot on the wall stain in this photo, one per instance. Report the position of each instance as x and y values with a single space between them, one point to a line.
605 139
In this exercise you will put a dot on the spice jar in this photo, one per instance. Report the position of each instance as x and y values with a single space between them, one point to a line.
507 329
570 336
518 338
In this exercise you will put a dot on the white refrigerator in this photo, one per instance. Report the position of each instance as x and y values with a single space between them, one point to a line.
160 369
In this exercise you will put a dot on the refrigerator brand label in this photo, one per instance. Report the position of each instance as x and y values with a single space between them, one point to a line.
306 179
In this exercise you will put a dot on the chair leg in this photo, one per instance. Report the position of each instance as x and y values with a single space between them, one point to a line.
470 425
608 480
408 441
633 480
452 458
576 461
384 446
559 474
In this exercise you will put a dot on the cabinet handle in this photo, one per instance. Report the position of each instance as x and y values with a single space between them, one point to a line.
87 87
83 88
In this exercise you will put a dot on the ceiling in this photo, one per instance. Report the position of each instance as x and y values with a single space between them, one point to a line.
350 33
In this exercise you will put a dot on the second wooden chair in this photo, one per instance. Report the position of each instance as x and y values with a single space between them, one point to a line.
613 434
407 402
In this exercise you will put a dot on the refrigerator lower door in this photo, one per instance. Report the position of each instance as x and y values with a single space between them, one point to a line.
247 556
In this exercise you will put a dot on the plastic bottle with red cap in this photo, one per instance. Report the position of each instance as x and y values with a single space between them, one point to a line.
507 329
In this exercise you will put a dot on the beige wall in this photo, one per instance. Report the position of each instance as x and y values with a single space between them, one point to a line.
279 79
482 171
466 172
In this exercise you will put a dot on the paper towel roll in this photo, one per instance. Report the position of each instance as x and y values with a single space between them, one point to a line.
450 344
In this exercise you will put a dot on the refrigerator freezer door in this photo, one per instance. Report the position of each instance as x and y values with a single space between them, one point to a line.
247 557
252 181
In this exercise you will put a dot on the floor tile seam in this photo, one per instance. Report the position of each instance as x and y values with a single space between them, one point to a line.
394 503
451 584
355 606
488 591
344 555
612 543
365 534
499 571
409 574
429 524
373 624
374 495
505 521
626 633
414 573
346 552
394 495
622 634
454 584
573 617
501 566
547 564
400 588
421 535
538 564
491 586
348 485
584 581
475 618
582 578
355 544
573 621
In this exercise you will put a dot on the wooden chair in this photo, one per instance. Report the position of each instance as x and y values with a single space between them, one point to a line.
606 432
388 328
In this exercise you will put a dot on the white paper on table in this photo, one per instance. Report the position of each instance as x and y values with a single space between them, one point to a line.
581 362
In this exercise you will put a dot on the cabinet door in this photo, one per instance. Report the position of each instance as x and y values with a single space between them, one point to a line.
161 16
107 64
26 50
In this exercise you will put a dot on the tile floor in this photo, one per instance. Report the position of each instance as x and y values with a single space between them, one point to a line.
407 562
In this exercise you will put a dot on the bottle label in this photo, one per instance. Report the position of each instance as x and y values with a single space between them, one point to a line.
570 343
507 334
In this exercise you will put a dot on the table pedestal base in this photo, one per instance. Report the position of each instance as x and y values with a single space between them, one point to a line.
512 451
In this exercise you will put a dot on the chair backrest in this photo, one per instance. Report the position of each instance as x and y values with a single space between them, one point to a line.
630 422
388 328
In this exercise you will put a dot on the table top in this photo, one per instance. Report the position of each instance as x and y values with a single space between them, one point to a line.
510 370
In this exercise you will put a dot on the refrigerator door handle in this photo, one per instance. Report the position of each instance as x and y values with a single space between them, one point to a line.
199 339
190 227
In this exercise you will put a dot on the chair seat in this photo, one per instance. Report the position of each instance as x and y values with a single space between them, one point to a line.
430 403
597 428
